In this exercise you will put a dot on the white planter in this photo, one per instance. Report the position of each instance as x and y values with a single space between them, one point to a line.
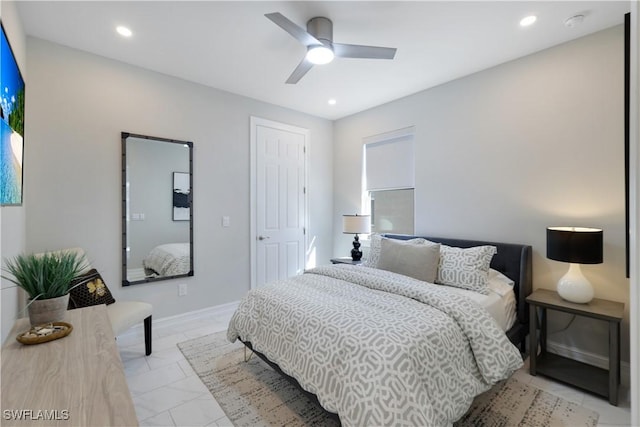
48 310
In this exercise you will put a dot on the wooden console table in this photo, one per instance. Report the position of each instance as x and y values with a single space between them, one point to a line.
77 380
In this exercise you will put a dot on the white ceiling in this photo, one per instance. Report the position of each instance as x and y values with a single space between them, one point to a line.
233 47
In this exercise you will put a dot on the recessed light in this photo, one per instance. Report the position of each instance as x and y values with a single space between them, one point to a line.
528 20
123 31
332 101
573 21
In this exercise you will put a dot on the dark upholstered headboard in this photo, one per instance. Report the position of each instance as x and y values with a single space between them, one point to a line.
512 260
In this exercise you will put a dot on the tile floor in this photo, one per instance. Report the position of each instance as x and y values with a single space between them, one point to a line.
167 392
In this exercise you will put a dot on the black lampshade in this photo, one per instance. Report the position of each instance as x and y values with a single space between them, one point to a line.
576 245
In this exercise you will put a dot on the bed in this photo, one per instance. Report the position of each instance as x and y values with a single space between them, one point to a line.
170 259
377 347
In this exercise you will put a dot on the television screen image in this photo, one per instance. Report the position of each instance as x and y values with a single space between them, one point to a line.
11 125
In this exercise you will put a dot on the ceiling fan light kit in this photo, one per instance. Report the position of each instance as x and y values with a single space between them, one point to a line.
318 38
320 55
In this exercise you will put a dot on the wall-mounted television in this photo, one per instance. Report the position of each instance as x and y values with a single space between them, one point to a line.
11 125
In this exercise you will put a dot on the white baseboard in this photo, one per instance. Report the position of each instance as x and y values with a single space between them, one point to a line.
222 310
589 358
216 310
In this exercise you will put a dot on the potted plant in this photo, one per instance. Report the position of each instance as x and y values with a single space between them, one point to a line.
46 278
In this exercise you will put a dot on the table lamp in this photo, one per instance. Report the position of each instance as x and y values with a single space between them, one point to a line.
356 224
575 245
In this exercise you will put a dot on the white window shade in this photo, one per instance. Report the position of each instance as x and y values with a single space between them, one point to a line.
389 161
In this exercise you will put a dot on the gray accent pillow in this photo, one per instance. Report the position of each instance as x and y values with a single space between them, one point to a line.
466 268
375 244
419 261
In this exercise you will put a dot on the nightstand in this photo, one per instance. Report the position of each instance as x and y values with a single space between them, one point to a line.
587 377
345 260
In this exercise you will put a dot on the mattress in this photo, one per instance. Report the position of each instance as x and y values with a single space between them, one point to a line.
501 308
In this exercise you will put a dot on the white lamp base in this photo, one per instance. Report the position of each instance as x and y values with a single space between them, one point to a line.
574 287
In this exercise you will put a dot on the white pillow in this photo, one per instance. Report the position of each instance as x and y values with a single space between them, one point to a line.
466 268
499 283
375 245
375 242
419 261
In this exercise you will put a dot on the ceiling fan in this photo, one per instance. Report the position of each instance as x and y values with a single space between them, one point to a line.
318 38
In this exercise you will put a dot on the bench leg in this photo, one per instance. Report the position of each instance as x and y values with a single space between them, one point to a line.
147 335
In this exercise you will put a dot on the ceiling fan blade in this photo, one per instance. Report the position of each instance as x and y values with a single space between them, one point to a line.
299 72
296 31
357 51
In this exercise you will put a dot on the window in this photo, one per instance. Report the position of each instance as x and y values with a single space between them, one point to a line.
388 190
392 211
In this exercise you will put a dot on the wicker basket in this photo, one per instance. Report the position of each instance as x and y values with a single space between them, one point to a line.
46 332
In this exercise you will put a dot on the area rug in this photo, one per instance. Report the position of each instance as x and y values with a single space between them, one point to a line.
253 394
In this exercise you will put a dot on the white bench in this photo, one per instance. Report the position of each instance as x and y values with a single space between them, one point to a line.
124 314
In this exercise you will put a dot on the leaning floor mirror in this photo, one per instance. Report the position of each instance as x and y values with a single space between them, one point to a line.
157 214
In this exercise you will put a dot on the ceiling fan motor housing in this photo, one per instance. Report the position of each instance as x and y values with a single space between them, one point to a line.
322 29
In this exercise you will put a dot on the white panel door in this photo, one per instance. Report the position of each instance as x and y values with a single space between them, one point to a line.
279 201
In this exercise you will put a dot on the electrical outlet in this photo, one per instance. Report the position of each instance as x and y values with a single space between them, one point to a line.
182 289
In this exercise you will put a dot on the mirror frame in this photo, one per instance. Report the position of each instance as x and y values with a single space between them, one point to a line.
125 280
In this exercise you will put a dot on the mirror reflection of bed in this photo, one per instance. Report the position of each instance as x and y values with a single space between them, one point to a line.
170 259
156 240
166 260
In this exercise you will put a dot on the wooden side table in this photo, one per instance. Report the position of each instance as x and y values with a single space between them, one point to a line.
77 380
345 260
587 377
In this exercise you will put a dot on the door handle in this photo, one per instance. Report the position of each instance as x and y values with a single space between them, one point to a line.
263 237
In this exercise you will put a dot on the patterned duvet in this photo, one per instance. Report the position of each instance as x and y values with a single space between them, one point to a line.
377 348
170 259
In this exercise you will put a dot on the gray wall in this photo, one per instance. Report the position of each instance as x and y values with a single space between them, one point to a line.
78 103
12 223
506 152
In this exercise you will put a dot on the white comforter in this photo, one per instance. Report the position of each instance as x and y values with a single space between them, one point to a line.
377 348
